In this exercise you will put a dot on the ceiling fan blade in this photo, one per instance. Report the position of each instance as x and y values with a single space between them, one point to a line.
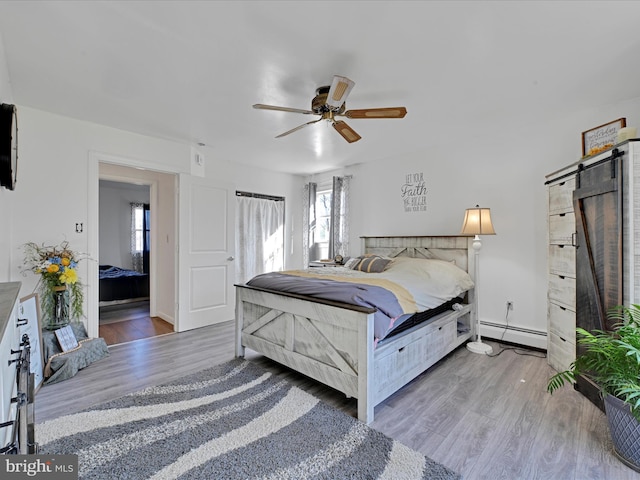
339 90
260 106
298 127
348 133
390 112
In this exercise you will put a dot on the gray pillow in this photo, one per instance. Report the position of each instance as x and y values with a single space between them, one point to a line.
372 264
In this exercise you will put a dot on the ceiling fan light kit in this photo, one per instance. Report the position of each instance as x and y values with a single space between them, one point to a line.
340 89
329 103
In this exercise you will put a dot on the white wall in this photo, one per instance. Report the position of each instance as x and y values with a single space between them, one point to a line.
502 168
6 196
115 221
52 195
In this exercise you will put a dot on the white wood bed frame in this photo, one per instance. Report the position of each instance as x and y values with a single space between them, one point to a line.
333 343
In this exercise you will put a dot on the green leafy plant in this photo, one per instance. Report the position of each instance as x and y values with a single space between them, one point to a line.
611 359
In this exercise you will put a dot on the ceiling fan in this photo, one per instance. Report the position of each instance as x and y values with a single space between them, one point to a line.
329 103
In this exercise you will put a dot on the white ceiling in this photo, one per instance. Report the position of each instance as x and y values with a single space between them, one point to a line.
191 71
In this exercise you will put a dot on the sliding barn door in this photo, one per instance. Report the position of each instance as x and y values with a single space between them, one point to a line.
598 208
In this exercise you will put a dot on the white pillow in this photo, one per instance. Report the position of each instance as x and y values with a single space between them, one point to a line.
431 282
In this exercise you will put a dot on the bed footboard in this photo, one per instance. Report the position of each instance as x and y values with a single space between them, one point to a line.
335 345
330 344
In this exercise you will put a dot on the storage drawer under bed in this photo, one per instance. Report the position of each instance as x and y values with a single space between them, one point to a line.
409 355
433 343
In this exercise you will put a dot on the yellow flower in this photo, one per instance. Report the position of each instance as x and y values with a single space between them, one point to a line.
65 261
69 276
53 268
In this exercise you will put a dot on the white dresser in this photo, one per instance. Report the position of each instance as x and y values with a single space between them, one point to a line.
561 291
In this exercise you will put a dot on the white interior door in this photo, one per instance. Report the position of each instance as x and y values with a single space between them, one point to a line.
206 226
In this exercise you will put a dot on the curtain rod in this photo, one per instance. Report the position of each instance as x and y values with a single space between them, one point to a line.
259 195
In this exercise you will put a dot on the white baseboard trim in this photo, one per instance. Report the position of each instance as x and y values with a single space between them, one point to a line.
166 318
518 335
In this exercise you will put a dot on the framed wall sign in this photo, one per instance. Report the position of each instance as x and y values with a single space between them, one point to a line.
600 138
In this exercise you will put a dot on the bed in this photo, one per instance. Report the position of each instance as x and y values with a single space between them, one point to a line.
119 285
338 343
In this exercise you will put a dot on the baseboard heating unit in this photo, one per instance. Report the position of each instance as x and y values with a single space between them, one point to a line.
514 334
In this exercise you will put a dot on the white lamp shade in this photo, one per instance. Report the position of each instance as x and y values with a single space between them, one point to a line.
477 221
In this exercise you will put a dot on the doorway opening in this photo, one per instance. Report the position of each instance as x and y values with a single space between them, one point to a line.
128 284
192 242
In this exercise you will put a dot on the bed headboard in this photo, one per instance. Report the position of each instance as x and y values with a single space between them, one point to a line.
457 248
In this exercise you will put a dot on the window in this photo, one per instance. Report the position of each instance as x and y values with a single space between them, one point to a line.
138 228
320 231
326 218
323 217
140 237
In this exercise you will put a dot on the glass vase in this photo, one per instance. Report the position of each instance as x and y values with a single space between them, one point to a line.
60 316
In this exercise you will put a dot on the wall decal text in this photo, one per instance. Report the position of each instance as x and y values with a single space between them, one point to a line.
414 193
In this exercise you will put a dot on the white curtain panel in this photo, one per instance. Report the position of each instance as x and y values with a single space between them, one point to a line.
137 210
260 239
339 241
308 219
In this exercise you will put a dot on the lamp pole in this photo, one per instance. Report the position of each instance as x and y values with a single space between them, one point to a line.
478 346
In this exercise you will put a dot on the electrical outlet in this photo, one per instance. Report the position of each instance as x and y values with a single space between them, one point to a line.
509 305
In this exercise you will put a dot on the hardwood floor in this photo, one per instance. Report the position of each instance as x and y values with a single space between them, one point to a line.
129 322
485 417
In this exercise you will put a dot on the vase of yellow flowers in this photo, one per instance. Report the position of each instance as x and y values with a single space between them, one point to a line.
59 288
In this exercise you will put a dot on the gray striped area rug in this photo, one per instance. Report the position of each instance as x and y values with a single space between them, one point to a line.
232 421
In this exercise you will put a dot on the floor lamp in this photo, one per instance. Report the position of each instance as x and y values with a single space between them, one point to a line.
477 221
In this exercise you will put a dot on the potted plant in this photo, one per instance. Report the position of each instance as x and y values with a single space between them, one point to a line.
612 360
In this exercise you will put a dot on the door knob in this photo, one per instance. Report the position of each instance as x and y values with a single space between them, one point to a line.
231 259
